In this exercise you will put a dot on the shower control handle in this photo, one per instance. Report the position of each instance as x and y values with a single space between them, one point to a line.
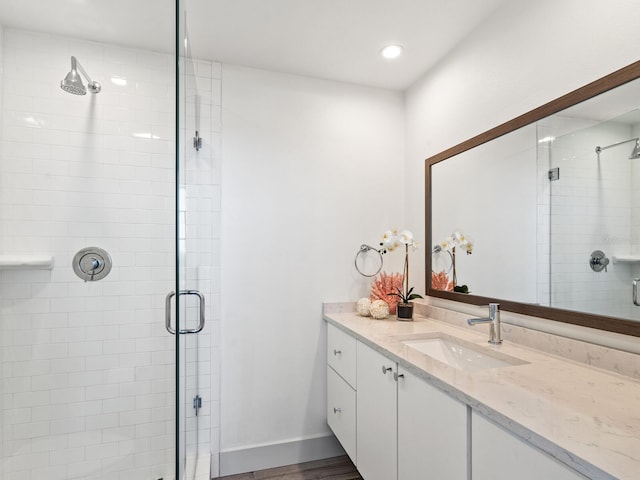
598 261
91 264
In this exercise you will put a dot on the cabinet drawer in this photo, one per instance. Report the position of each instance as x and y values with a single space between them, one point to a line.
341 353
341 412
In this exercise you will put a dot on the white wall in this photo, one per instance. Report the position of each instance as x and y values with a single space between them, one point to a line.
526 54
311 169
504 236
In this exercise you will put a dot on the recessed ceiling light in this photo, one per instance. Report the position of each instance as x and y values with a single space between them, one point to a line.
391 51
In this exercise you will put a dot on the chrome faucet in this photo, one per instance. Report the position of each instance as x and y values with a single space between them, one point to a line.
494 319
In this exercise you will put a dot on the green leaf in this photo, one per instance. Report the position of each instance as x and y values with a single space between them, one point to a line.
414 296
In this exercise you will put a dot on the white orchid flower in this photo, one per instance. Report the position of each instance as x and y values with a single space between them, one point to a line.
406 237
459 241
448 244
392 239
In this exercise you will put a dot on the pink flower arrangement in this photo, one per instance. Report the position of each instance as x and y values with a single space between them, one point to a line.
383 287
440 281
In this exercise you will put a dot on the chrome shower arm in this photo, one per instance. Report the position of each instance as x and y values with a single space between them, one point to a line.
599 149
75 63
93 86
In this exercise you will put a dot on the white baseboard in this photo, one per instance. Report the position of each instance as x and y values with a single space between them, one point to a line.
278 454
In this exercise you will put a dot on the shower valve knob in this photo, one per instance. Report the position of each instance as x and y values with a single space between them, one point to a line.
598 261
91 264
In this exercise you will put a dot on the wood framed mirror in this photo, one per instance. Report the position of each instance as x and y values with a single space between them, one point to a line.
532 276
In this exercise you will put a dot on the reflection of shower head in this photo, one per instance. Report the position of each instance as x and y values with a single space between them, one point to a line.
72 83
634 154
636 150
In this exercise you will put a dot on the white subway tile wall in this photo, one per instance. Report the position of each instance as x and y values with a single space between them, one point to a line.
88 368
591 209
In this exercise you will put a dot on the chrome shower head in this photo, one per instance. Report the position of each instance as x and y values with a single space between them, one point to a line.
636 151
72 83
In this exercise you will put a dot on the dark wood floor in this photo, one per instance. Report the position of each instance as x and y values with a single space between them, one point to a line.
337 468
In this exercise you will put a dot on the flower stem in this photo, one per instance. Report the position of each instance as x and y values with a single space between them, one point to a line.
406 270
453 258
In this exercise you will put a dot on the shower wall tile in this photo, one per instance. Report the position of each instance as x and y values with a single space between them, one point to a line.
87 383
591 210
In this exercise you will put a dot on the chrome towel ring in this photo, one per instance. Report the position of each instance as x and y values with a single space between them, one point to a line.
440 262
365 249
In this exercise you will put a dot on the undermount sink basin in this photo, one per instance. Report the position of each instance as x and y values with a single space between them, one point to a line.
462 355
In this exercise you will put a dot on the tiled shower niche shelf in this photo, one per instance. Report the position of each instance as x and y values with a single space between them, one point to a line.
26 262
626 258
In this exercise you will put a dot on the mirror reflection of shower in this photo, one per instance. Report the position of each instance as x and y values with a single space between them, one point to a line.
72 83
635 153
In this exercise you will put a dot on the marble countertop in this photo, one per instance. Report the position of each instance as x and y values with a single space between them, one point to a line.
585 417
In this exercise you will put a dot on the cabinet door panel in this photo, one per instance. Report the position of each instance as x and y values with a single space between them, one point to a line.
341 412
499 455
376 423
432 432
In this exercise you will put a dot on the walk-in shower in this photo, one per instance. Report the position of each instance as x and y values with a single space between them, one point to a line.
72 83
635 153
92 386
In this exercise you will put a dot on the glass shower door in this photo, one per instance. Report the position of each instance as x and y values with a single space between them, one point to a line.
88 370
197 187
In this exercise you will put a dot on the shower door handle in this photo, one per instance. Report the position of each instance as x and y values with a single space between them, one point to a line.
167 312
635 291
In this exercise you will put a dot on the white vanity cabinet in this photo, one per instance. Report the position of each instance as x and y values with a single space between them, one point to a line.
394 425
376 423
398 420
341 394
498 455
432 432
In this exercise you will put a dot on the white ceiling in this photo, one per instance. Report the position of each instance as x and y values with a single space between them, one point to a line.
331 39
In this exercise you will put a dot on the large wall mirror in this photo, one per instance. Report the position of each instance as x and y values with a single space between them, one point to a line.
542 213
